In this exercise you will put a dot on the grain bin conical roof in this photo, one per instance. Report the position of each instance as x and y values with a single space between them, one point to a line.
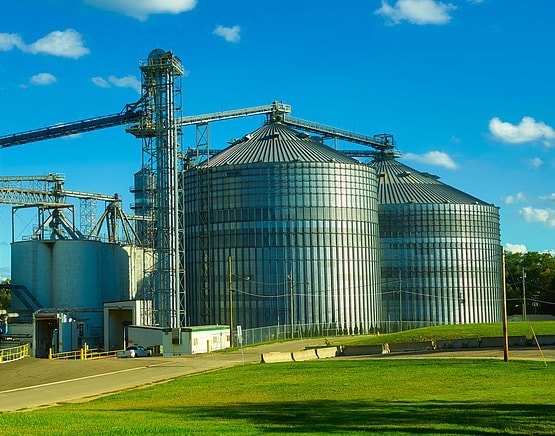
275 142
399 183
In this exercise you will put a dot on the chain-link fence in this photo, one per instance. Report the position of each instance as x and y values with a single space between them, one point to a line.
300 331
282 332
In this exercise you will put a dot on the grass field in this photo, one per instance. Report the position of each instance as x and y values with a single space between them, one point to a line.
381 396
449 332
436 396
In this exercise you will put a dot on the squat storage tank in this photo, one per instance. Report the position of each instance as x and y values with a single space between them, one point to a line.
299 221
77 273
441 252
31 268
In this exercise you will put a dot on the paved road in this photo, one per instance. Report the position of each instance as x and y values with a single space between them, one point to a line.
31 383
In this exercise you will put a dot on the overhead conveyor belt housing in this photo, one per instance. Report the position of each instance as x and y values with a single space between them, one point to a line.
71 128
378 141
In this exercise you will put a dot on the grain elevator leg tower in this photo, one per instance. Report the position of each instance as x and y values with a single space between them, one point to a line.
160 135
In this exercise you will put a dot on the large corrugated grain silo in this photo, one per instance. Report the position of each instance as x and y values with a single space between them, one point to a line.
441 252
297 223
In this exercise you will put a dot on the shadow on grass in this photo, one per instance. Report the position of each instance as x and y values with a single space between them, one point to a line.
398 417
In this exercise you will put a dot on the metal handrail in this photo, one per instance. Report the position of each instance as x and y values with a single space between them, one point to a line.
14 353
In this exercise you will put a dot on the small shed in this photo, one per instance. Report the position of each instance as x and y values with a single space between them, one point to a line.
180 341
205 339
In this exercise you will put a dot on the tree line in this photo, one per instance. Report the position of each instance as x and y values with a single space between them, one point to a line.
530 281
5 296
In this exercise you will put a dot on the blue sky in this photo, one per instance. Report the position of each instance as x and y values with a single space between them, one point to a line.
465 86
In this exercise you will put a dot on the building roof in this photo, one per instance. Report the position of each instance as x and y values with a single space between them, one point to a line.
274 142
399 184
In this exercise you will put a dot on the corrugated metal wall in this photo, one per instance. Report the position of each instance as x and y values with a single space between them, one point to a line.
301 231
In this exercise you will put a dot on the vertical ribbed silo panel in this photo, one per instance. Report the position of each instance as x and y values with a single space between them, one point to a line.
355 286
344 306
321 244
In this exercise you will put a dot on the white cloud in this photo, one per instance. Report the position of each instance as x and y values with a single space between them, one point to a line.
550 197
535 162
100 82
230 34
419 12
531 214
437 158
529 130
119 82
42 79
64 43
67 43
126 82
141 9
515 248
519 197
9 41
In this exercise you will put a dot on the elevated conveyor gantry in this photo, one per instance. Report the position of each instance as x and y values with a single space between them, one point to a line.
127 116
47 193
380 143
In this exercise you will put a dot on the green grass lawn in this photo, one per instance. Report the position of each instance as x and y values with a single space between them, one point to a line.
381 396
450 332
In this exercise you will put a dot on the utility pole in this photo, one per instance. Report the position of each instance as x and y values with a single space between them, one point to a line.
400 302
523 295
505 324
229 284
292 304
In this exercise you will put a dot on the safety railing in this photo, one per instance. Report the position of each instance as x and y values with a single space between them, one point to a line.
14 353
84 353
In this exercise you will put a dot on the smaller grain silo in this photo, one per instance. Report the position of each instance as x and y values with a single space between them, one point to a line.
440 249
69 281
143 192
